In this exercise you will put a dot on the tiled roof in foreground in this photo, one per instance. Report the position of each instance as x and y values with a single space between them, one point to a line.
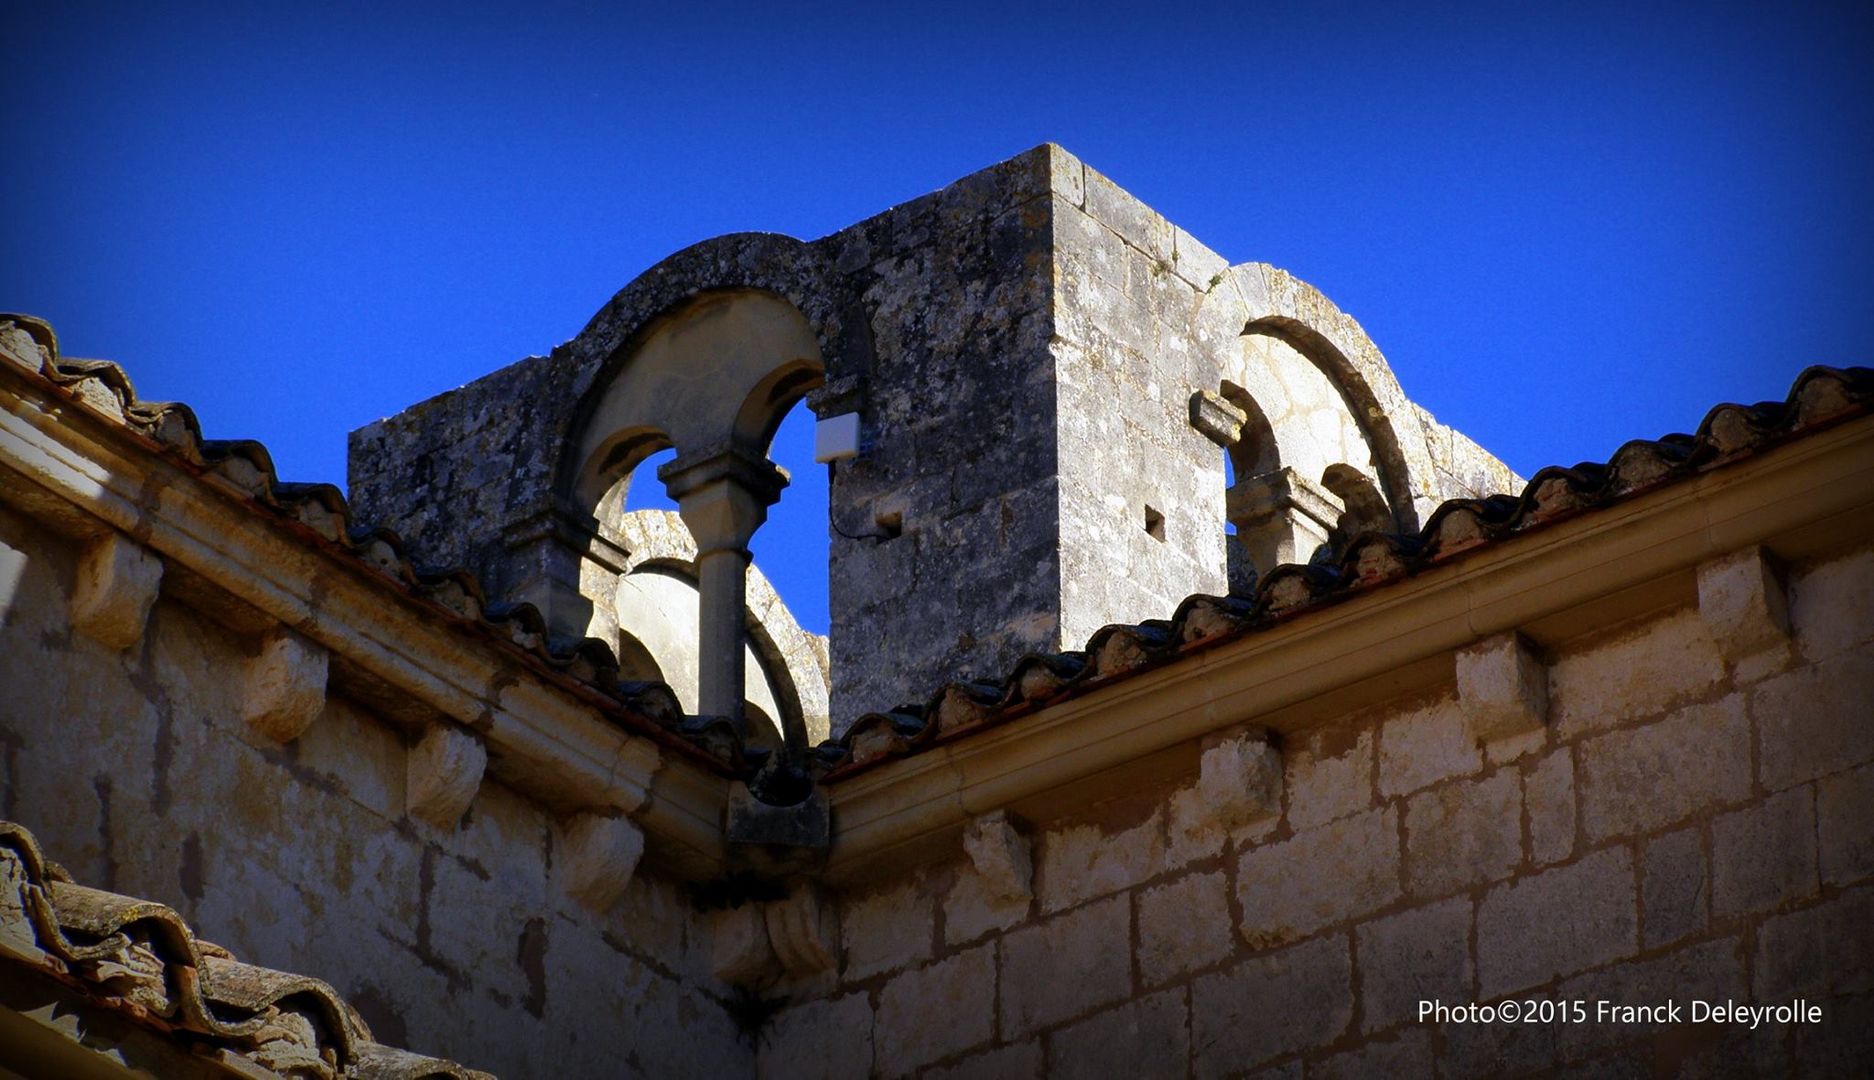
139 960
1820 398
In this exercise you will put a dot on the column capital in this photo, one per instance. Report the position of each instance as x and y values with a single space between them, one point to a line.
751 472
723 494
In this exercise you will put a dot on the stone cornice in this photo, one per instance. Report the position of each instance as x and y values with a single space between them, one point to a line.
1552 586
549 736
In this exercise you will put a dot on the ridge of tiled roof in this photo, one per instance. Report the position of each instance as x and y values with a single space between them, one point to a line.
139 959
243 469
1820 397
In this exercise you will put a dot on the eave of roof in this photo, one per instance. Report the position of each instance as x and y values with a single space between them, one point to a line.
1820 398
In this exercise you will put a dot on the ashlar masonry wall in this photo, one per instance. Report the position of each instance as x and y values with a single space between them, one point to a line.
1693 822
136 771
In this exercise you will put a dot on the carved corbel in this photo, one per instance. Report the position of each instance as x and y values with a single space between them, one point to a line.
800 931
283 689
739 952
598 857
1741 598
443 774
117 582
1240 779
1001 855
1503 687
1216 419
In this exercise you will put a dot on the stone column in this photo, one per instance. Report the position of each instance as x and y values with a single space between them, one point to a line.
723 495
1281 517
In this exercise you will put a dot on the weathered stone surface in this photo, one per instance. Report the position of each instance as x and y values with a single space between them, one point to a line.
1084 861
443 774
1001 856
597 858
1019 1062
1308 986
1711 971
1240 779
1814 720
827 1038
1676 890
1829 604
1823 947
283 686
1637 780
801 931
1644 671
1504 687
885 929
116 584
1763 855
1408 1053
1417 955
1329 775
932 1012
739 952
1292 888
1183 925
1065 966
1845 826
1556 922
1741 598
1549 806
1422 746
1463 833
973 907
1144 1038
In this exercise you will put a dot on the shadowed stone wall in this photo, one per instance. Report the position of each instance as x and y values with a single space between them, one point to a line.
1691 822
136 771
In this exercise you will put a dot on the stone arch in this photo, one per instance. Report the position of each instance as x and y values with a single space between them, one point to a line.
1266 300
711 373
604 478
718 371
1254 451
781 266
1365 508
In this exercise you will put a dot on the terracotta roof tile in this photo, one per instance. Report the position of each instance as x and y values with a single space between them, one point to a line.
138 958
1819 397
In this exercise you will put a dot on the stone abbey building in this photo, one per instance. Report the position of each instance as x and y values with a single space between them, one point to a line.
1195 704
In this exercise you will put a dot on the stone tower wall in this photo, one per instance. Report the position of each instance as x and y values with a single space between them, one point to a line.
1023 348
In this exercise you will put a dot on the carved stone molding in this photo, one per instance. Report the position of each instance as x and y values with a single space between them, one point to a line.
117 582
1001 855
443 774
284 687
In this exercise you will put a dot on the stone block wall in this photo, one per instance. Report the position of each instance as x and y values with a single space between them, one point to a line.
136 771
1691 822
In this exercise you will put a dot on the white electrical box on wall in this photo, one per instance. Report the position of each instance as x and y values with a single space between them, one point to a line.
836 438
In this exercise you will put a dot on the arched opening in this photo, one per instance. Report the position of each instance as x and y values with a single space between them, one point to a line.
699 401
792 547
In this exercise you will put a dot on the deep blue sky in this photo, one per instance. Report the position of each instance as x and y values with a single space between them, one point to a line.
1564 228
